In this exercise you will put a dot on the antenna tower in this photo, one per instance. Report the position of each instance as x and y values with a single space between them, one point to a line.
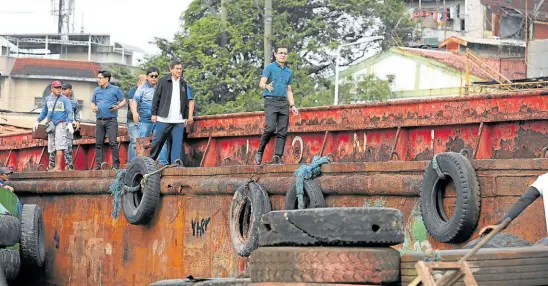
63 11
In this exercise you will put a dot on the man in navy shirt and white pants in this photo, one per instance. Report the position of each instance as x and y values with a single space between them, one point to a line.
106 101
278 100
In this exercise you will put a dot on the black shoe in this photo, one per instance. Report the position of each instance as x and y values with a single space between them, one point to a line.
98 168
258 158
69 167
115 167
277 160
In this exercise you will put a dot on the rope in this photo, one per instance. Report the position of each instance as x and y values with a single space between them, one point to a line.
308 172
118 188
436 167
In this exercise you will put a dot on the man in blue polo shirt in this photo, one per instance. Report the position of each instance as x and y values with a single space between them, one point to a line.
106 101
141 107
58 110
278 100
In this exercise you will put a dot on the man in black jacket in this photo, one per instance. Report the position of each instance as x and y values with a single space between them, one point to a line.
172 107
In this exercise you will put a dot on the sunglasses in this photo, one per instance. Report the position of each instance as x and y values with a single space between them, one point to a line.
153 75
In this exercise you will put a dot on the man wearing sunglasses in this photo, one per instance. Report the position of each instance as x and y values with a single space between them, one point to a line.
67 92
141 108
278 100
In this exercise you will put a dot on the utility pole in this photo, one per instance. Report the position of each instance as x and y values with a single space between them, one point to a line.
60 21
224 20
267 31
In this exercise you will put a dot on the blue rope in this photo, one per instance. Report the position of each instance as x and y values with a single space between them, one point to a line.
118 189
308 172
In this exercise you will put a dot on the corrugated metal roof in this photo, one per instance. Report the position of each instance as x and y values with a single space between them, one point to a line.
55 68
494 42
512 69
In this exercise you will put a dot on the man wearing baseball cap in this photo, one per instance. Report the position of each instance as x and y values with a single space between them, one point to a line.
4 177
67 91
58 111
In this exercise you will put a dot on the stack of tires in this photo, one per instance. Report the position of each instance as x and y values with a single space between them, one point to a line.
328 245
28 232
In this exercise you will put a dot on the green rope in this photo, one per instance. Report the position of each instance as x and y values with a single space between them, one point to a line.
118 189
308 172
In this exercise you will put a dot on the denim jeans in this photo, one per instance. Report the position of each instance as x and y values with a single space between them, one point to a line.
168 133
145 129
133 130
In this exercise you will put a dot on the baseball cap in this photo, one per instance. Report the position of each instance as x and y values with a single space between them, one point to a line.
56 83
67 85
5 170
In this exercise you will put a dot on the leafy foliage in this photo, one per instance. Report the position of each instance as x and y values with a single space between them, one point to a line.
125 78
225 79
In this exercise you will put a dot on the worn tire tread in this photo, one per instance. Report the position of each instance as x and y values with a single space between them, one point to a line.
10 230
150 200
311 189
11 263
465 219
325 265
32 237
332 226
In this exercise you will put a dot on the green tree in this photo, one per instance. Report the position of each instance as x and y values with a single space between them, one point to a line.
225 79
365 89
124 77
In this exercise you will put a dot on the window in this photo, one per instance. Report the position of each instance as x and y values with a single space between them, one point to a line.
38 102
489 20
462 27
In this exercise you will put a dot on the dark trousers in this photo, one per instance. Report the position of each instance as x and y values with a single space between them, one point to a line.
108 127
173 134
276 121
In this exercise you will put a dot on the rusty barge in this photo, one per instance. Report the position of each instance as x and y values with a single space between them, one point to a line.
380 154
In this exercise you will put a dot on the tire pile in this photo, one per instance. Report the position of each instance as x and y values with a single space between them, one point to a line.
29 232
328 245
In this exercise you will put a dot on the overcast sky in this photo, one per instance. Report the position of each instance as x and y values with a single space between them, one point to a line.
134 22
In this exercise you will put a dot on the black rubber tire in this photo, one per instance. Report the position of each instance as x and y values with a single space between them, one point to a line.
140 206
10 230
325 265
174 282
313 196
500 240
267 205
33 243
333 226
507 266
225 282
245 243
11 263
464 221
